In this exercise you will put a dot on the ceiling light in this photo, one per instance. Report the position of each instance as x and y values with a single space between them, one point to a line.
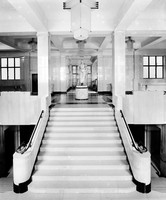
80 17
129 43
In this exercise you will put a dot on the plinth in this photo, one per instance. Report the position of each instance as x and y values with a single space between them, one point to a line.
81 92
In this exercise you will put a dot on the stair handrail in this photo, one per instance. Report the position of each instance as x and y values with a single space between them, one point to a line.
156 169
138 146
24 147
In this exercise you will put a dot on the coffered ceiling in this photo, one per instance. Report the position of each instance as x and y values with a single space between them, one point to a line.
143 20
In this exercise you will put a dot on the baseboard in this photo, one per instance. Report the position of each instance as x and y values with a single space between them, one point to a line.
105 92
54 93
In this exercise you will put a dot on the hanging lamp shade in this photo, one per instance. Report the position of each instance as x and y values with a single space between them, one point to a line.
80 21
80 16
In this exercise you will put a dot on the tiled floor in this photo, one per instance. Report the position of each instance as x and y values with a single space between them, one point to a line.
6 184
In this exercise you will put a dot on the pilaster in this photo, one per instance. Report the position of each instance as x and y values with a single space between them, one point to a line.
43 55
119 71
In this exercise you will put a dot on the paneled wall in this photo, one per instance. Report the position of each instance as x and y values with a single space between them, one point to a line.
19 108
105 73
145 107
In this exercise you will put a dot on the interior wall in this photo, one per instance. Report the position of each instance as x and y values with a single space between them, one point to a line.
55 63
59 72
105 73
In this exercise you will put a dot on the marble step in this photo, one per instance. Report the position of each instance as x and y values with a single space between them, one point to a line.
81 141
47 175
81 150
81 109
82 123
81 118
71 164
68 172
81 128
55 136
87 113
66 145
80 167
69 135
115 155
82 187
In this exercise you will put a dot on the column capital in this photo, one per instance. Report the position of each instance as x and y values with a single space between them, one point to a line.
43 34
118 32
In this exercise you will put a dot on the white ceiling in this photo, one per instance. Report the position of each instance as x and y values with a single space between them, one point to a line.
143 20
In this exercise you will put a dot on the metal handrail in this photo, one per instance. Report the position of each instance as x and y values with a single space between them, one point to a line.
24 147
156 168
139 147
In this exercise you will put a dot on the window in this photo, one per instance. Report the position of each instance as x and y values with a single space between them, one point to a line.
153 67
10 68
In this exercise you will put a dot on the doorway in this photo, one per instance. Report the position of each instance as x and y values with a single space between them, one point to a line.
34 84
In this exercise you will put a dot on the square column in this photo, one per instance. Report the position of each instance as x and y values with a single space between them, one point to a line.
63 73
163 151
119 71
100 72
43 53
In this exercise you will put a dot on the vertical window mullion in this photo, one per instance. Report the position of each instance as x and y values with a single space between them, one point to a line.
14 69
148 66
7 69
155 66
163 65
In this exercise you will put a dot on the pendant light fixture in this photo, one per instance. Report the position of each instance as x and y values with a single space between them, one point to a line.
80 17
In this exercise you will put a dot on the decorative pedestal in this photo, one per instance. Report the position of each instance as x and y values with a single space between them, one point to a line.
81 92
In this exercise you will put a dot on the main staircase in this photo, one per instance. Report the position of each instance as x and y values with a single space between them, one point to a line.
82 152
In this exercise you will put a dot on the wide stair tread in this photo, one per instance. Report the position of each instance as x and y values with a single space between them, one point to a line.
89 135
82 187
93 117
87 122
86 164
82 175
114 155
80 169
81 150
79 129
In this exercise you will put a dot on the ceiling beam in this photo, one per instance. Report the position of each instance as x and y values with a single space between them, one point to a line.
31 11
11 42
146 33
152 41
105 42
19 34
129 11
58 42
